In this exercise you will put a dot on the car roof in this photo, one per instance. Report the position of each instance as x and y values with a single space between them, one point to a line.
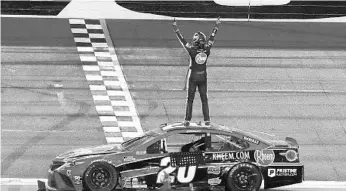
195 126
198 127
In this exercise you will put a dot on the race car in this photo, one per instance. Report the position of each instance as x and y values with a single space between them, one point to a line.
197 156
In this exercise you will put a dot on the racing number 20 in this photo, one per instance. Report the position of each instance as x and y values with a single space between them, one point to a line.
182 176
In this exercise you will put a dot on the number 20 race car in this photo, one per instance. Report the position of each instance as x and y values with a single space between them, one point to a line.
196 156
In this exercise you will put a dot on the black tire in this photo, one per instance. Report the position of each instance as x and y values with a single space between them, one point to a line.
101 176
243 177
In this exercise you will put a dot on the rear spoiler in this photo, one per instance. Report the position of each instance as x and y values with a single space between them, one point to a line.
292 142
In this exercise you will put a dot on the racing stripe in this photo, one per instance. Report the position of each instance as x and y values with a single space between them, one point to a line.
107 84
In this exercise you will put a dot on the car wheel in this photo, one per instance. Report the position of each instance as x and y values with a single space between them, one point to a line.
243 177
101 176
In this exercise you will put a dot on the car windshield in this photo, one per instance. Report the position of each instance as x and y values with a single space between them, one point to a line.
146 137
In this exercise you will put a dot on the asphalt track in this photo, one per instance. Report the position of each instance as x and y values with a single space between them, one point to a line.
46 103
286 79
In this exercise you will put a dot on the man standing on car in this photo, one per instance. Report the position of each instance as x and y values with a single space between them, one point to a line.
199 52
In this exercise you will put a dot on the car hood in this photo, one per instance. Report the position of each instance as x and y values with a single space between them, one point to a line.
103 149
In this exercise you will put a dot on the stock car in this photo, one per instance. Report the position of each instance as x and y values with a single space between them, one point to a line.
197 156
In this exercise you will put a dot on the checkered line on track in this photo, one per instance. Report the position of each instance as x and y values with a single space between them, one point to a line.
108 87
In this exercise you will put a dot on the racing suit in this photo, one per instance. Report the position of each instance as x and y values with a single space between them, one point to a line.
197 74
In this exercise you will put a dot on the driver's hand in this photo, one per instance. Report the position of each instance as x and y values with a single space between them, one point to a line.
174 23
218 21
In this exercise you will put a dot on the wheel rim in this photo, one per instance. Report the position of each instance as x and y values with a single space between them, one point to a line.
243 179
100 178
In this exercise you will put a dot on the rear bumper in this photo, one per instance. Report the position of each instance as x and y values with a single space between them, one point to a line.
276 176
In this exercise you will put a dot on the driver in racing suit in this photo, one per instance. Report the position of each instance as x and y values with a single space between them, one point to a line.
199 52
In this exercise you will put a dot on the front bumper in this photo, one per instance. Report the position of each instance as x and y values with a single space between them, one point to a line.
43 186
57 182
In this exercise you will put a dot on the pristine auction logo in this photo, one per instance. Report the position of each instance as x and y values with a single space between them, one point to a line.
264 157
282 172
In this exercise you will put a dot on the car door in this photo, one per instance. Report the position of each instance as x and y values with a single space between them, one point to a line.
185 156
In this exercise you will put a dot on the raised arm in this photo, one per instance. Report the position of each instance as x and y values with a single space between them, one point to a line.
182 41
210 41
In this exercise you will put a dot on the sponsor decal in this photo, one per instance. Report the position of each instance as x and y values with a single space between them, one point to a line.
77 179
282 172
264 157
271 172
129 158
127 183
290 155
252 140
138 184
214 181
141 152
135 182
214 170
201 58
231 156
68 172
184 174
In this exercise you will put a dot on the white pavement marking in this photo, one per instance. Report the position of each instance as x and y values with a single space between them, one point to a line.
91 68
111 83
95 35
77 21
93 78
100 97
106 64
99 44
93 26
97 87
82 39
105 54
85 49
115 93
112 129
112 98
77 30
87 58
108 118
109 73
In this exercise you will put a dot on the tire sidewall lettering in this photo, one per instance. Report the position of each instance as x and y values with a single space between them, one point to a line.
109 167
233 170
